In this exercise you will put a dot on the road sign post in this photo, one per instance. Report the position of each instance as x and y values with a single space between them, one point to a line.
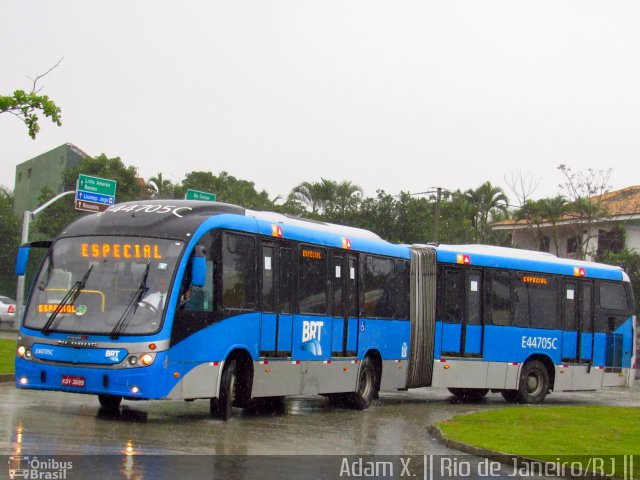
197 195
95 194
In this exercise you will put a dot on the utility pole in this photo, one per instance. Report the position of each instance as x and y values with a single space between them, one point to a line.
27 216
436 215
436 219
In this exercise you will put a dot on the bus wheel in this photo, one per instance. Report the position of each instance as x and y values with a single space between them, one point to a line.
110 402
367 386
534 383
469 394
222 406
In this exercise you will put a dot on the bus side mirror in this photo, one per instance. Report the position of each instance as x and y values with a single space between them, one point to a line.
23 254
23 260
199 267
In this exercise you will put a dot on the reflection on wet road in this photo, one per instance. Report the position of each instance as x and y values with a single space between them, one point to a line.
152 440
57 423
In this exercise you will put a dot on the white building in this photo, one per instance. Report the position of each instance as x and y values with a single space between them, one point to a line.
616 228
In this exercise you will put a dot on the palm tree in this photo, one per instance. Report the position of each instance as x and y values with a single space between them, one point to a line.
324 195
485 200
160 187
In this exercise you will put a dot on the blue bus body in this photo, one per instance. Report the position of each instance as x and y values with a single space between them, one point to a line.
297 307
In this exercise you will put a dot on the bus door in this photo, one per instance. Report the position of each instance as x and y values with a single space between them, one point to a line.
586 340
577 332
277 320
570 337
344 289
462 327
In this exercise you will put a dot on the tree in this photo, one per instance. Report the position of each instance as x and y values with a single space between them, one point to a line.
9 242
27 105
540 214
485 202
160 187
227 188
585 192
129 187
326 196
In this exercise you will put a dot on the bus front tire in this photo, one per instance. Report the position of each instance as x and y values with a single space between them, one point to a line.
222 406
110 402
367 386
469 394
533 385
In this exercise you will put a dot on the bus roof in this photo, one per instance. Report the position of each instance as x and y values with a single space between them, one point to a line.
529 260
180 219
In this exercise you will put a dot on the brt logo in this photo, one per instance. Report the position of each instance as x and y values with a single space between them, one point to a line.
311 336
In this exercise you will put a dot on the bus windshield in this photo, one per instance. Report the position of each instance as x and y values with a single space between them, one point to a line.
103 285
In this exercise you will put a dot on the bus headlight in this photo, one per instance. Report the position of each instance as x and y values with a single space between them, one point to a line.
21 351
146 359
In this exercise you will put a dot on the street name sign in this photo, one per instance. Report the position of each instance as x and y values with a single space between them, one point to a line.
197 195
95 194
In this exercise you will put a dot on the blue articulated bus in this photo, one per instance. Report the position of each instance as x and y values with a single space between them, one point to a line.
200 300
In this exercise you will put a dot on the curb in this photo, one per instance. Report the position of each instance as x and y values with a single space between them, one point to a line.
7 378
504 458
436 432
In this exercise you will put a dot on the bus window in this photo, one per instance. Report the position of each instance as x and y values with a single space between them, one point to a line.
378 287
286 278
613 308
238 272
402 289
500 297
535 301
453 296
268 291
313 280
200 299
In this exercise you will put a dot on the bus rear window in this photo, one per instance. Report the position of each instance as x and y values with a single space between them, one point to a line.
613 296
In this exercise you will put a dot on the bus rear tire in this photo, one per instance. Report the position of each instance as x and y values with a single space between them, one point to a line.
534 383
222 407
110 402
367 386
469 394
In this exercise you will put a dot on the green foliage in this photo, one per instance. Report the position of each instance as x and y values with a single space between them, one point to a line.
9 241
227 188
326 196
52 220
539 432
7 355
28 105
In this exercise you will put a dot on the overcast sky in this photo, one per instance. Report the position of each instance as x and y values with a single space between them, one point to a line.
394 95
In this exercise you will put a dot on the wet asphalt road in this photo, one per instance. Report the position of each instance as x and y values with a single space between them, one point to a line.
155 439
54 424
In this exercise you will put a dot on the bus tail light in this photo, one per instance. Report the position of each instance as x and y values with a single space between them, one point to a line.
11 309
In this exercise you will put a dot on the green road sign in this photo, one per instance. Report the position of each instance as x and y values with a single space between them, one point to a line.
102 186
196 195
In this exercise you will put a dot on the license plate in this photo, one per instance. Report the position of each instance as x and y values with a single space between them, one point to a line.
69 381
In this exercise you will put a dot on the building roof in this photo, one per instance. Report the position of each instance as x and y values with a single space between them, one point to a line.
619 203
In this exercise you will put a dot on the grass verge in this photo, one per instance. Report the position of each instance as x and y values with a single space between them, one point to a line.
548 432
7 355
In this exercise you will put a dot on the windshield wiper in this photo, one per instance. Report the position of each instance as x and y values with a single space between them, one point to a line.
69 299
132 306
